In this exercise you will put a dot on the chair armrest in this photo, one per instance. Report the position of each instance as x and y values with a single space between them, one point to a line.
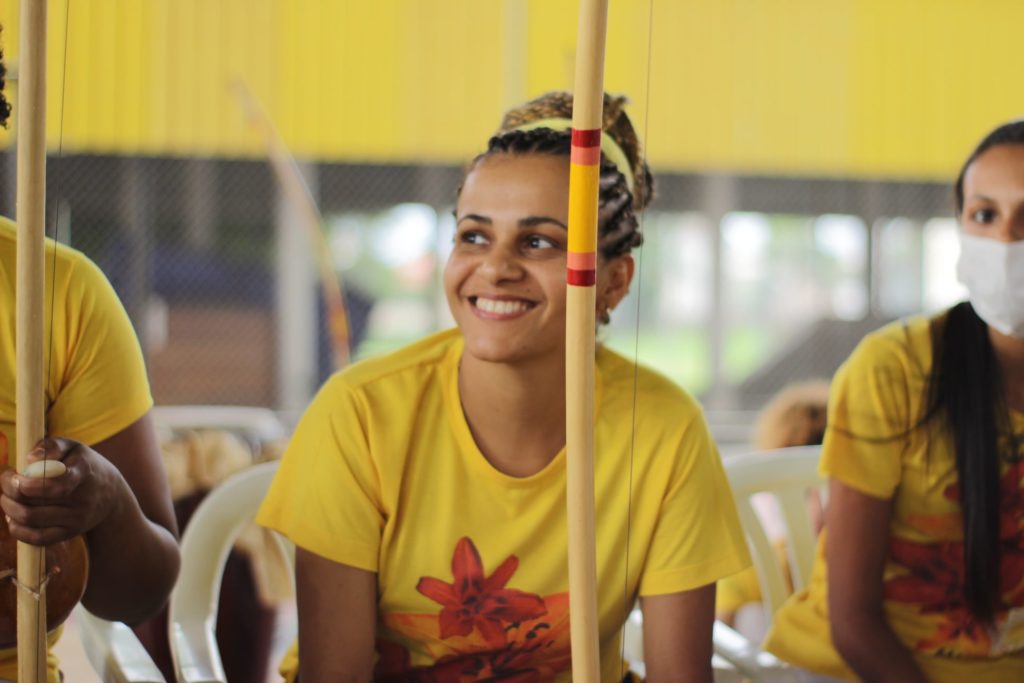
723 671
114 651
196 657
748 658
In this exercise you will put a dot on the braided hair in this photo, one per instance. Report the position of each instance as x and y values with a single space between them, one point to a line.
5 106
618 226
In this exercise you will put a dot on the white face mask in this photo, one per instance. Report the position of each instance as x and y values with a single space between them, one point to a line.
993 273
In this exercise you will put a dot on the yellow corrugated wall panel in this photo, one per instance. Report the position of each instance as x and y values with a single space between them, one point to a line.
750 84
390 81
131 120
931 76
693 117
843 87
452 68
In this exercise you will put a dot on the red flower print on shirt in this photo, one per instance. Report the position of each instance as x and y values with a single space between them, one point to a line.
935 578
935 584
473 601
537 650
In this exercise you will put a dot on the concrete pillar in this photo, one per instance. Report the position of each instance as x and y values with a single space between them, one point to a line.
296 305
136 211
200 195
719 199
871 212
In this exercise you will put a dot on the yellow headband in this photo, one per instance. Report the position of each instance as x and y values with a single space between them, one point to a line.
609 147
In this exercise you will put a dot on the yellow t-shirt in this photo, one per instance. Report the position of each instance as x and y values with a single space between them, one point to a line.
879 393
95 378
383 474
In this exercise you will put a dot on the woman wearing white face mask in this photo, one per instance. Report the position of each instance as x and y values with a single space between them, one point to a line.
924 534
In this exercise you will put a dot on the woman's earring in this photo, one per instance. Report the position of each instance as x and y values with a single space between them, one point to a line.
606 316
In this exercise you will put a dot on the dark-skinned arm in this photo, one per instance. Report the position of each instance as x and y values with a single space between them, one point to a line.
677 636
115 493
337 620
855 549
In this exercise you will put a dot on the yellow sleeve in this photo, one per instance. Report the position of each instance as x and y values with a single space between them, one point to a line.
737 590
698 538
869 418
326 494
99 385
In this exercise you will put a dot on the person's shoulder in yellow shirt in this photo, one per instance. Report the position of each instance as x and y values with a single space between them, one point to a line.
98 403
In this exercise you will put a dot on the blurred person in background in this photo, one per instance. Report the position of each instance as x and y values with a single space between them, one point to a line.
794 416
98 402
924 453
425 489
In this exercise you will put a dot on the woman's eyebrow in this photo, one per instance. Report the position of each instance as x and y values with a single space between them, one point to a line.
474 217
533 221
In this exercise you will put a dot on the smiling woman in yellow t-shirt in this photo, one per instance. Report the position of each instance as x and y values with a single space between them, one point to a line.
925 457
426 489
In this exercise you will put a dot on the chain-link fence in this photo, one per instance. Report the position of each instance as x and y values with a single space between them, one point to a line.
745 283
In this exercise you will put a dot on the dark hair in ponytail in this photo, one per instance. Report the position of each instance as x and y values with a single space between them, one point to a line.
966 392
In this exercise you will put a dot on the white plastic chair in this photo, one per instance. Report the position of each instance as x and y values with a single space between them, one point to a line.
204 549
114 651
787 474
205 545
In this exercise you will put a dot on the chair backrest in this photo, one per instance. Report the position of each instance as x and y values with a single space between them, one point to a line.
257 423
205 545
787 474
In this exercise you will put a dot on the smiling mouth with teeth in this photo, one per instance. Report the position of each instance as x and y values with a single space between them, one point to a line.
500 306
